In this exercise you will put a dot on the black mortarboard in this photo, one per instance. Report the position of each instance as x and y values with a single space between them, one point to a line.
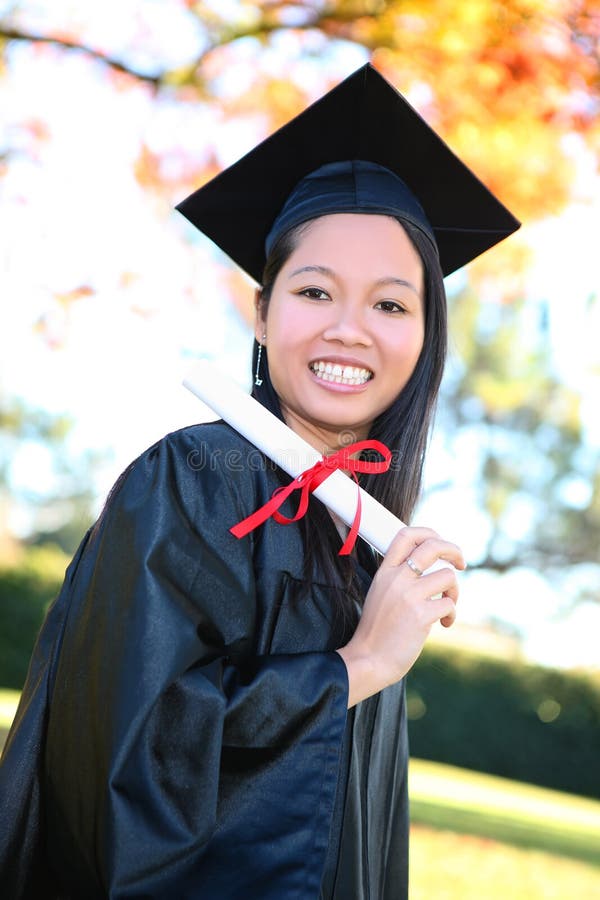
394 164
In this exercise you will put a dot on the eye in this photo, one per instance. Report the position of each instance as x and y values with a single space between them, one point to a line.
314 293
390 306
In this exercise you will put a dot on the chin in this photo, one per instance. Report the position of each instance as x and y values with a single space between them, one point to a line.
356 431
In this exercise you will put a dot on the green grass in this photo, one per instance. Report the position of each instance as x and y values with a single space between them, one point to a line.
8 706
458 800
449 866
479 837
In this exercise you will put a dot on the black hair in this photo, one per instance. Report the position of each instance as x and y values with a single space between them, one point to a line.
404 427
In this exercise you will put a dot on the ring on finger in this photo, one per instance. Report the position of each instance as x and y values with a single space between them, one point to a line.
413 566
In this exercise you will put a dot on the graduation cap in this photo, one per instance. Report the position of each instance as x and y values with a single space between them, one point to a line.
360 148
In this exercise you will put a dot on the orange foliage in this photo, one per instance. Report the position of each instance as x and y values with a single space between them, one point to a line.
508 78
37 129
174 171
502 81
277 98
66 298
241 293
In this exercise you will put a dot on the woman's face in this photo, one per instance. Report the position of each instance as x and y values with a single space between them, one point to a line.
344 325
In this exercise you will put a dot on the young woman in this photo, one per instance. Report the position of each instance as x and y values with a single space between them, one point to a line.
208 717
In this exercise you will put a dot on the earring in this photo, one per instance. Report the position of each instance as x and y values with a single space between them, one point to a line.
257 379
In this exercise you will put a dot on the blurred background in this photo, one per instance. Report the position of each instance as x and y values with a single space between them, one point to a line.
110 113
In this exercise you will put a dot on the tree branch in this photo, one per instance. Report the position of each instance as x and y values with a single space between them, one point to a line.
13 34
540 559
323 20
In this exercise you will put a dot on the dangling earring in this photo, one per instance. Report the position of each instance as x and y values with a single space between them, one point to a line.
257 380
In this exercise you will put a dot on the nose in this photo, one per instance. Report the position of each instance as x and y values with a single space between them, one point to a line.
347 326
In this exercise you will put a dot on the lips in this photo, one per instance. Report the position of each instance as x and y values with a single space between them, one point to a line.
340 374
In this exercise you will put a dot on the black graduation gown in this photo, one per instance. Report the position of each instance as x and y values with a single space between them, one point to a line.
180 731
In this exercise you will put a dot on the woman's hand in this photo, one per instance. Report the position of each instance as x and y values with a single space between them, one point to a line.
399 611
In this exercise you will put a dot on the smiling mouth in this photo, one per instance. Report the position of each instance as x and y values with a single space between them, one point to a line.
340 374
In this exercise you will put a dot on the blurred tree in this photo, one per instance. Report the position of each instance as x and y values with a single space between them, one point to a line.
538 478
56 504
504 82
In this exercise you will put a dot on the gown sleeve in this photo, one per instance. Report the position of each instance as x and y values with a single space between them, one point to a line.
178 763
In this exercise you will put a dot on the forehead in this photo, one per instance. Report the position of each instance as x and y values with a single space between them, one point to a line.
356 241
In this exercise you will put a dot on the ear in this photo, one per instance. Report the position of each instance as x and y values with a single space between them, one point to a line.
260 322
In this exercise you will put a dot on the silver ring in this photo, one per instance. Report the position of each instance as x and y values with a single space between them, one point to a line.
413 566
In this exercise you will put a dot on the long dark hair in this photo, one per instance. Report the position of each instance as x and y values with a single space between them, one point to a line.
404 427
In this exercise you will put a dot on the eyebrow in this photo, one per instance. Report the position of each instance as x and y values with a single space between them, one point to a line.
402 282
381 282
323 270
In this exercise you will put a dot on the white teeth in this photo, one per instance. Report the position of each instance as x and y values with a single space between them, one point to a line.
340 374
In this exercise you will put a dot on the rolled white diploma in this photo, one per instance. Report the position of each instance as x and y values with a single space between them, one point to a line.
378 526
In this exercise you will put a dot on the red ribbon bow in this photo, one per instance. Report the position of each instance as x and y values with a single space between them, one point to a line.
310 479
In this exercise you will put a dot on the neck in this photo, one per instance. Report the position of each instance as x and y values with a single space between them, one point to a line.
323 439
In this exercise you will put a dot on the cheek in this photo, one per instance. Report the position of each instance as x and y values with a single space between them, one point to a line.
288 327
403 350
418 341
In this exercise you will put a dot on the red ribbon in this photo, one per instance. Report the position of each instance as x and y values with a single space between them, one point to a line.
309 480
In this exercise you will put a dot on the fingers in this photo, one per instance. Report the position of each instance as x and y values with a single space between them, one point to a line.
443 610
405 542
442 582
432 601
400 608
423 547
433 549
416 550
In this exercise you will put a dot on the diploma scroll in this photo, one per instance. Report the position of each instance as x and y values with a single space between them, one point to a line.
378 526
